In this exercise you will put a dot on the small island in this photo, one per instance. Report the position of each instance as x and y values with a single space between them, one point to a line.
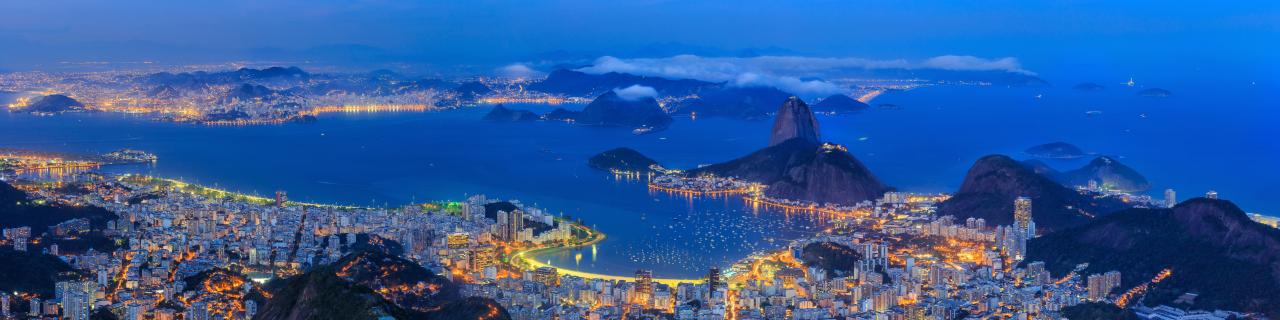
624 160
1088 86
1155 93
1055 150
129 156
500 113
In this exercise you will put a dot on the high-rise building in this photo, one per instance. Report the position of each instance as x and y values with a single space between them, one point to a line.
1022 216
281 198
483 257
1099 285
546 275
513 225
1170 198
644 287
644 281
713 278
4 305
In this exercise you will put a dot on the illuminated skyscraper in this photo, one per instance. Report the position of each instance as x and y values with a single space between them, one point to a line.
1022 215
644 281
1170 198
514 223
547 276
644 286
713 278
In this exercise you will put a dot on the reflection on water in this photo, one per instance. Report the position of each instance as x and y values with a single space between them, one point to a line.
924 145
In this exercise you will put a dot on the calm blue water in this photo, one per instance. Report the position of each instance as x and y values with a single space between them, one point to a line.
1192 142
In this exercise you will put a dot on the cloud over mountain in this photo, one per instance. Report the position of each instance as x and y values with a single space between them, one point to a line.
795 74
635 92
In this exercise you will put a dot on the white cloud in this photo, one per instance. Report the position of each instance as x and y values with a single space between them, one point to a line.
636 92
972 63
787 73
518 70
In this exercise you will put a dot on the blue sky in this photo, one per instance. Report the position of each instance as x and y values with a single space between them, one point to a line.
1044 36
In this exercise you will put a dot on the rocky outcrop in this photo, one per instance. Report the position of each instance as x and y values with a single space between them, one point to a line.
794 121
1211 246
993 182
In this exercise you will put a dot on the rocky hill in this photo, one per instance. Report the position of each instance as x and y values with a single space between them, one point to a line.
371 285
53 103
835 258
501 113
993 182
796 166
839 103
1213 249
610 109
621 159
1107 172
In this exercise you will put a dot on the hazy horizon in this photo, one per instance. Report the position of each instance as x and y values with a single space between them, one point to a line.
1143 39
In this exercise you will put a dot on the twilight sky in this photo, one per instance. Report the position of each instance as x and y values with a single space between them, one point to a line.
1045 36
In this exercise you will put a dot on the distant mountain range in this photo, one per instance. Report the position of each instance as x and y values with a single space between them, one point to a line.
201 79
993 182
609 110
735 102
575 83
1211 246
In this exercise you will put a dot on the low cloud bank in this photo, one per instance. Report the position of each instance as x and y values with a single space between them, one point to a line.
787 73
